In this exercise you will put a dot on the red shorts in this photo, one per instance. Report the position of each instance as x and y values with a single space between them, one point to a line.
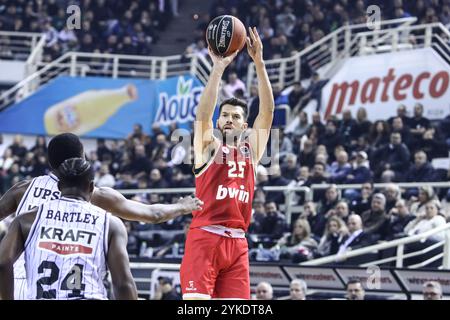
215 266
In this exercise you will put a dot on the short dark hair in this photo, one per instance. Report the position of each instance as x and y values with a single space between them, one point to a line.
165 280
237 103
333 121
239 92
270 202
76 172
62 147
353 281
321 164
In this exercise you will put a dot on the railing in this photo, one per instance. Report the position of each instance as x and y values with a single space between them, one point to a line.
326 51
289 207
106 65
18 45
289 193
31 65
314 187
400 255
285 111
146 281
128 192
21 90
134 66
325 54
404 38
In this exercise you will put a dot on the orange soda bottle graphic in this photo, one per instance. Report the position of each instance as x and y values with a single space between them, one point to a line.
87 111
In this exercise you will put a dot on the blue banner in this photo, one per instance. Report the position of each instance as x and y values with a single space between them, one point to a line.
101 107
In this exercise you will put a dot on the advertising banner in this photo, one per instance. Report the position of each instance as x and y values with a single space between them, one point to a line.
102 107
372 278
414 280
382 82
318 278
272 274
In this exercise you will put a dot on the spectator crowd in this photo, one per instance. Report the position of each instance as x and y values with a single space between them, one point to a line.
331 152
289 26
118 26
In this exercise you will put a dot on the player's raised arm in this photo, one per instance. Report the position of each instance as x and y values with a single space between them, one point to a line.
263 122
203 126
114 202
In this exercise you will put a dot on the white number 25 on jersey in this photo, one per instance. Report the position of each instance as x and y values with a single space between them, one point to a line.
236 169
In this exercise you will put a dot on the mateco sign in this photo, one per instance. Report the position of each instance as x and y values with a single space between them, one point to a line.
381 82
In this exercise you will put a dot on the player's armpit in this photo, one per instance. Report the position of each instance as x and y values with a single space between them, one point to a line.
203 127
203 139
203 155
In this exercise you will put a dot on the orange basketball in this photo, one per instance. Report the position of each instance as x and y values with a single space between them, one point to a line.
225 34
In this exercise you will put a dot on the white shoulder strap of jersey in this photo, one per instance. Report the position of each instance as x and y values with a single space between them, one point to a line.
25 196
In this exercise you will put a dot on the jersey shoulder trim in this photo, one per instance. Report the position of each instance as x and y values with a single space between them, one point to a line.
25 196
53 176
199 171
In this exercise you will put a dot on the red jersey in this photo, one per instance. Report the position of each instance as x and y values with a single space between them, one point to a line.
226 185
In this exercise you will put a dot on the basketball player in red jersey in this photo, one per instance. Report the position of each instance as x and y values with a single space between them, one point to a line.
215 263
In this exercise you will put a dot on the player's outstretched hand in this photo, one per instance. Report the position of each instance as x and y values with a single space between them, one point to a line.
190 204
254 45
221 62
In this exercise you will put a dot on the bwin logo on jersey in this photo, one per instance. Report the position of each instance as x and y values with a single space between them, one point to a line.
180 107
66 241
233 193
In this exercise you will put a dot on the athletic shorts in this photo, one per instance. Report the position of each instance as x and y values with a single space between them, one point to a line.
20 289
215 266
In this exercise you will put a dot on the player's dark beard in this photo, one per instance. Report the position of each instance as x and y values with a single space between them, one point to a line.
232 137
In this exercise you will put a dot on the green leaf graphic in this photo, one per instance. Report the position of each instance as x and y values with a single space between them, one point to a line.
183 87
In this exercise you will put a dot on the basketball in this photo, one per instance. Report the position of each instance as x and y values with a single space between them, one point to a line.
226 34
